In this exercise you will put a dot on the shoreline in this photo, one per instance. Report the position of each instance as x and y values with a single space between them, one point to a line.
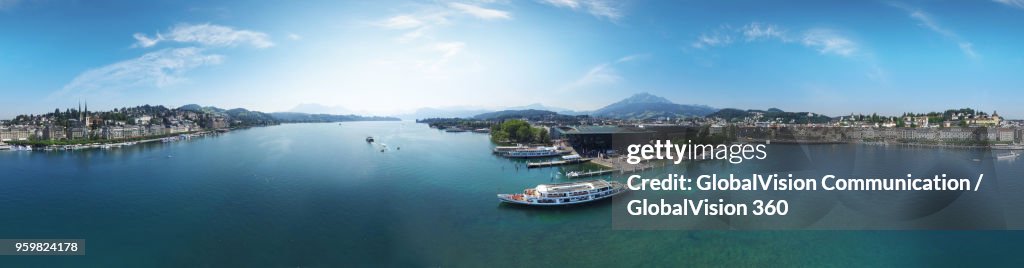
108 144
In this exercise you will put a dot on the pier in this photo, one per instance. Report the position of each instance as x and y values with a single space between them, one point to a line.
556 163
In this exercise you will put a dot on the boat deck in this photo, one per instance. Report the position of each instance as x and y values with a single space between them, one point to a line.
571 186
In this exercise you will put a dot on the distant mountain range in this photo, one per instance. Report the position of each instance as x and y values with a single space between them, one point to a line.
647 106
255 117
470 112
315 108
448 112
290 117
639 106
538 106
529 114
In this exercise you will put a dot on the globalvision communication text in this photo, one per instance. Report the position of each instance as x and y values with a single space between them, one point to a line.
688 186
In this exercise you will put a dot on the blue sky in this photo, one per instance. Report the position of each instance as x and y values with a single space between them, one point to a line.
377 57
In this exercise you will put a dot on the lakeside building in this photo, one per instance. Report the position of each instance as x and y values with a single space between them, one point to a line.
52 132
985 120
15 134
78 133
955 134
217 122
594 140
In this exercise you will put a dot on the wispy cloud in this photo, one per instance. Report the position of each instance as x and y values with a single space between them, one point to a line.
420 23
449 49
606 9
928 22
166 66
633 58
154 69
1012 3
206 35
758 31
480 12
824 41
968 49
448 52
720 37
829 42
401 22
603 74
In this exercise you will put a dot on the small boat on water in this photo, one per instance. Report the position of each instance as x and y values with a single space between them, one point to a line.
455 129
482 130
581 174
1007 147
565 193
534 152
1010 155
369 139
572 157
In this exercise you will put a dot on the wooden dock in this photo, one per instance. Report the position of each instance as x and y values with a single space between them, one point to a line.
556 163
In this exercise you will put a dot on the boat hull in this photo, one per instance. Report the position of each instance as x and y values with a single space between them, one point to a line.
507 198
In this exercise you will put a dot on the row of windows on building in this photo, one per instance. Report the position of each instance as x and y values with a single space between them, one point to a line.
943 134
114 132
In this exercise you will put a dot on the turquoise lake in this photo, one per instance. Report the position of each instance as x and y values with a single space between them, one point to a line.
318 195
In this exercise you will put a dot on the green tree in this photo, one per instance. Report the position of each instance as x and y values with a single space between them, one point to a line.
542 136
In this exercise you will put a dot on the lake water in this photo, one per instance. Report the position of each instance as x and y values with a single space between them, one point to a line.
318 195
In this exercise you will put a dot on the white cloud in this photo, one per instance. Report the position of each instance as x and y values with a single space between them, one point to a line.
757 31
294 37
573 4
927 21
632 58
1012 3
968 49
401 22
828 42
419 24
712 40
155 69
721 36
143 40
450 49
598 8
603 74
206 35
412 35
823 40
480 12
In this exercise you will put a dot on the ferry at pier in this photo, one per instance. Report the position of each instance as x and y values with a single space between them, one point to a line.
506 149
534 152
565 193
